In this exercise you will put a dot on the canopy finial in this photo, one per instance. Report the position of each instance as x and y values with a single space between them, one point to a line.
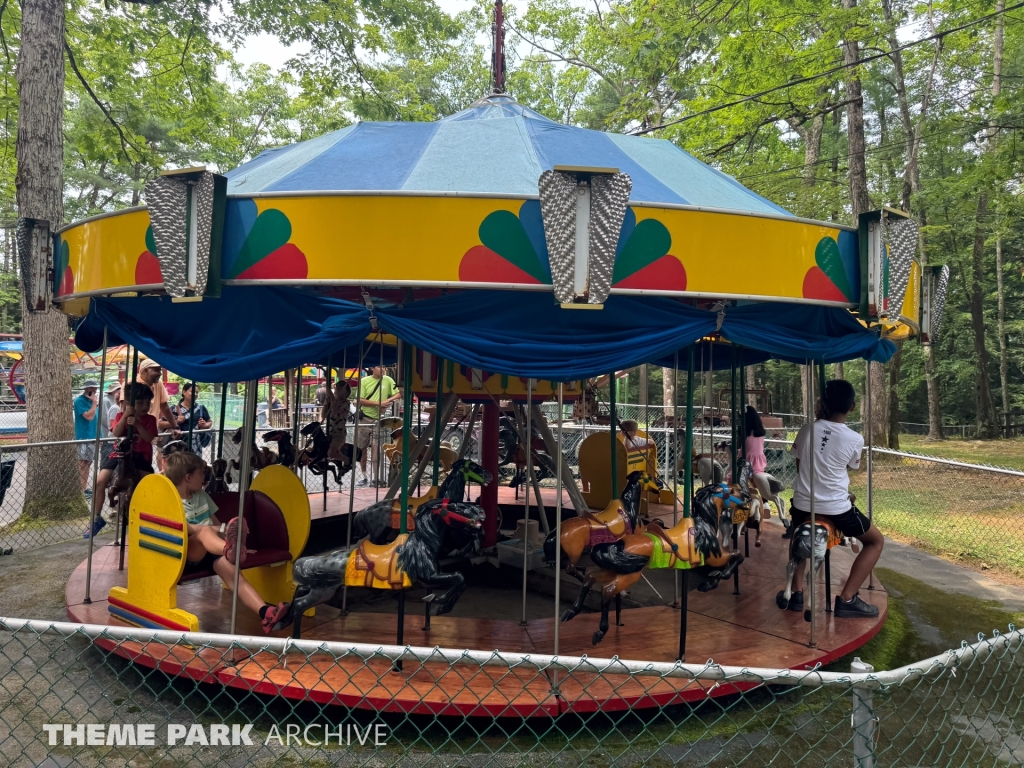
498 48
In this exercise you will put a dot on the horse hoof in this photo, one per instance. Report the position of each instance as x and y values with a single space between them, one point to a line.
807 616
598 636
781 600
708 585
568 615
757 543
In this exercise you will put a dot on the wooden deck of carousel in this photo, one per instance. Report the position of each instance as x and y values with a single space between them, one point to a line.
743 630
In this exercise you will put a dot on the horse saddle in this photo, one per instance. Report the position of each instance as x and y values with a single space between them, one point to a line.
677 543
376 566
611 518
414 507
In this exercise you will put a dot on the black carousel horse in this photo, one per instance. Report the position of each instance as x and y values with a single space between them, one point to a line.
314 453
376 522
412 557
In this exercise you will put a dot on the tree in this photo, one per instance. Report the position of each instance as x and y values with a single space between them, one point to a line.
52 485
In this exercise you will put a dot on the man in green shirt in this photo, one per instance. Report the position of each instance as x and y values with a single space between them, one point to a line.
376 392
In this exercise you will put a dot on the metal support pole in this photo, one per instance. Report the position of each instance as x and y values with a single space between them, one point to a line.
378 453
244 475
327 421
407 429
122 512
192 412
863 719
223 414
613 427
677 587
688 477
734 474
297 410
352 474
558 526
869 438
811 445
438 426
96 498
529 479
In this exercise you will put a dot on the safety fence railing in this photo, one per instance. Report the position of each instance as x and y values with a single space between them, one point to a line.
69 695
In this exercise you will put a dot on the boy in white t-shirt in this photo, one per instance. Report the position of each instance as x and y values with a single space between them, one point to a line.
206 549
837 450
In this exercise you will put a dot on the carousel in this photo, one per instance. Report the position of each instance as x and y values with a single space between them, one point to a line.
502 261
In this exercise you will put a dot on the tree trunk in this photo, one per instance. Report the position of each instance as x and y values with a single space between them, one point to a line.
893 404
838 371
52 486
642 393
986 416
934 403
751 383
668 388
879 411
1004 363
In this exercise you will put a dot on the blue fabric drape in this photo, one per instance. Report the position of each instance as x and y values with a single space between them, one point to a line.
253 332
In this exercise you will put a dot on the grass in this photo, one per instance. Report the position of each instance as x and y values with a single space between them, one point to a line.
1007 453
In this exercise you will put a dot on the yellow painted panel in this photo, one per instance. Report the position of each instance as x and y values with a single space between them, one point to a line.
103 253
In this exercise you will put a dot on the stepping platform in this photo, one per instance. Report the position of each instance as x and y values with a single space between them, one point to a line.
741 630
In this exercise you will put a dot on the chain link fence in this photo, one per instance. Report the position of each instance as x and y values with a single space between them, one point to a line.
66 699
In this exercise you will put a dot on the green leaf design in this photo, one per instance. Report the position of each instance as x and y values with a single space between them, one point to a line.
827 257
150 240
269 232
503 233
648 243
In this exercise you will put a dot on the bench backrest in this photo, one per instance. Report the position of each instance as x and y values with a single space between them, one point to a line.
267 528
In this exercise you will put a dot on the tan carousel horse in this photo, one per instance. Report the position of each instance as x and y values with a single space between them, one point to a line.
619 518
691 544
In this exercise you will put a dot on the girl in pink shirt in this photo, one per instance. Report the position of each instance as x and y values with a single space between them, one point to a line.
753 447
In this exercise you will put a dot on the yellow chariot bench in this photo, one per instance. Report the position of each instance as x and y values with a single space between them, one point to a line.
276 514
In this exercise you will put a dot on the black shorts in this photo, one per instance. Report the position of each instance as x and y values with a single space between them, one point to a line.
206 564
852 522
141 463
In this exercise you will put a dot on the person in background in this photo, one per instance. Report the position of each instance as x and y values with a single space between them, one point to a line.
86 427
275 401
376 392
837 448
159 408
753 447
110 407
183 412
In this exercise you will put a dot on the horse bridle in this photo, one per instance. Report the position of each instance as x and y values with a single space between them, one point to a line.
448 515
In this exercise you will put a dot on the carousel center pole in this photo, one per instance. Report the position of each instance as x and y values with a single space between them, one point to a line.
223 413
529 478
811 445
613 427
437 425
95 470
489 459
684 598
407 430
244 476
352 472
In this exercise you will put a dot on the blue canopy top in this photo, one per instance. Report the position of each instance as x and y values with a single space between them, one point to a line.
496 146
252 332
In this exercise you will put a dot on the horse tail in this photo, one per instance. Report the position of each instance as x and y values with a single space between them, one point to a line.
549 548
613 556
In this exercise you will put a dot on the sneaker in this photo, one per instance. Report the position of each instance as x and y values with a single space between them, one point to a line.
273 616
97 526
855 609
88 493
234 539
363 482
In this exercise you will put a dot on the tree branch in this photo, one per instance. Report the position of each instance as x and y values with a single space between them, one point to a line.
125 143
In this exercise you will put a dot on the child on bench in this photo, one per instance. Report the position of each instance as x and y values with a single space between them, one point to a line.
213 545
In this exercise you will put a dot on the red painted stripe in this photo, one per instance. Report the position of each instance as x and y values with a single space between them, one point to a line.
147 614
160 521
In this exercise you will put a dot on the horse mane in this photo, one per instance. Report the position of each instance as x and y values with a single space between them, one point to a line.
632 505
705 522
424 543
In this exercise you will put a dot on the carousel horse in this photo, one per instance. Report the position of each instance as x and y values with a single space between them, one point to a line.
315 453
220 478
258 459
285 449
824 538
691 544
619 518
543 463
412 557
381 522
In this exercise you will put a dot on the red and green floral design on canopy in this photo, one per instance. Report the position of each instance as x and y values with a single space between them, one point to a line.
63 275
256 245
147 268
836 274
513 251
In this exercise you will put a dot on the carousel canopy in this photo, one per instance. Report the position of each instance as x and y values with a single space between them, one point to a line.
496 146
520 334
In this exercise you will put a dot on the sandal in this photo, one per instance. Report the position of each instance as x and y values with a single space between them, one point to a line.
273 615
235 539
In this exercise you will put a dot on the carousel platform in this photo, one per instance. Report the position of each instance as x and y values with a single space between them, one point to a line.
744 630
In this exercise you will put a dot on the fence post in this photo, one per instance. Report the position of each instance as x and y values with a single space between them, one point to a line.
863 719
